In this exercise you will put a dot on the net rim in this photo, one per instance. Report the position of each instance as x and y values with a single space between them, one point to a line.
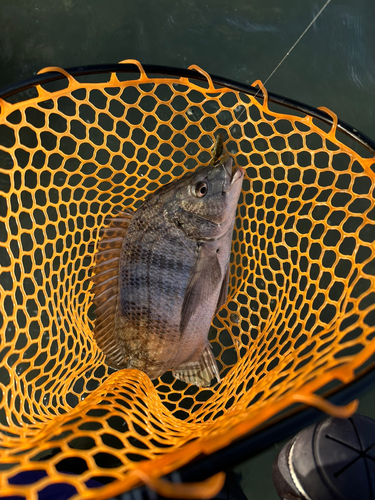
97 69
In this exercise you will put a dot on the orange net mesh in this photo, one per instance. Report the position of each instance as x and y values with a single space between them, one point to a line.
301 308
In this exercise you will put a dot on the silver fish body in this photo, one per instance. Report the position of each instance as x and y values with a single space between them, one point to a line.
165 272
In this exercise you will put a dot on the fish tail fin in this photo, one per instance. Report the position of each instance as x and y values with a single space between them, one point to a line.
200 372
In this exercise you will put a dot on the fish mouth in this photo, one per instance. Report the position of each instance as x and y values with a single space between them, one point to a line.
235 174
238 174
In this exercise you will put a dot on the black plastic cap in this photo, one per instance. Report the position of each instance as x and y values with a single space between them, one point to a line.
281 477
332 460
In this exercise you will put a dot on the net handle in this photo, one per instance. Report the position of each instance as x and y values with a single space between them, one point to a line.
332 133
263 90
72 82
211 86
190 491
327 407
143 77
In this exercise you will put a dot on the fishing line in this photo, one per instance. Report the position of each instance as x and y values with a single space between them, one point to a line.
283 59
297 41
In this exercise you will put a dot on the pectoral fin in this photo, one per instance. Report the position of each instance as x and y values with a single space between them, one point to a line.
223 291
200 372
204 279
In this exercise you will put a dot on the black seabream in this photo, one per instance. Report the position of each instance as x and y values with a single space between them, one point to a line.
162 272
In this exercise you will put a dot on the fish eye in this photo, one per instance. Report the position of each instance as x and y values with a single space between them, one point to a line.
200 189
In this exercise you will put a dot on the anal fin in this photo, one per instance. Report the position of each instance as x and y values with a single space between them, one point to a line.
200 372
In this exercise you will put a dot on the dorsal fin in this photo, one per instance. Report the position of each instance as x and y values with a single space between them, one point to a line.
105 278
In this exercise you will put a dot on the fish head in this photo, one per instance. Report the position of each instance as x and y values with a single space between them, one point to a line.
207 200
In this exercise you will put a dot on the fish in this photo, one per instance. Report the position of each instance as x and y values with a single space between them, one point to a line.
162 272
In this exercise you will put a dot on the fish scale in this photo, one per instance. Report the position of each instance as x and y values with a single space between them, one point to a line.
144 282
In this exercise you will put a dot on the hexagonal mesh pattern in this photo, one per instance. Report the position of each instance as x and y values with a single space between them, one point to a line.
301 310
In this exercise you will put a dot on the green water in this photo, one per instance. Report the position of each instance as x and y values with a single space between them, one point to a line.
333 64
